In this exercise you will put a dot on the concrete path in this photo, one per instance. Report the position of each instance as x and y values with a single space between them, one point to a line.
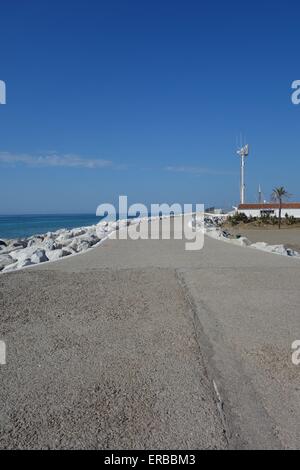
141 344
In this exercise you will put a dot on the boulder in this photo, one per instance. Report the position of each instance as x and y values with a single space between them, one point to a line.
39 256
35 241
82 245
225 233
291 252
259 245
77 232
67 252
50 235
124 223
49 245
31 242
55 254
278 249
21 254
64 239
25 262
19 243
102 224
3 243
10 267
241 241
91 239
74 244
5 260
10 249
114 225
100 233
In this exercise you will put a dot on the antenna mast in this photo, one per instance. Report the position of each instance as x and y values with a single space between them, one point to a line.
243 152
259 195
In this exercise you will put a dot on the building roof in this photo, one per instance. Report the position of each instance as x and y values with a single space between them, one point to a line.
270 205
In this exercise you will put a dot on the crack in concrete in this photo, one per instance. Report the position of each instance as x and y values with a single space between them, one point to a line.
214 389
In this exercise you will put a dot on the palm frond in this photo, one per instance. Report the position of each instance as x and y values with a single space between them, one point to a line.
280 193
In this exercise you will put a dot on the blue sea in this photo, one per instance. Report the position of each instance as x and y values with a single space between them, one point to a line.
19 226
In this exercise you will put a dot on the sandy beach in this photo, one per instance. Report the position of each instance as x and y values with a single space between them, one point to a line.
141 344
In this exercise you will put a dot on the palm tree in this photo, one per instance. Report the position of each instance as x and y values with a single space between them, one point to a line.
278 194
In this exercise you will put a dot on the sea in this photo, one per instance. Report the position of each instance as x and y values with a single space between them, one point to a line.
20 226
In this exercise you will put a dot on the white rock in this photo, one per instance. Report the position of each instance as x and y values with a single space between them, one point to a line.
21 255
124 223
10 267
102 224
67 252
215 233
77 232
74 244
49 244
5 260
278 249
26 262
114 225
60 253
39 256
64 237
242 241
19 243
82 245
91 239
54 245
291 252
32 242
83 242
50 235
100 233
54 255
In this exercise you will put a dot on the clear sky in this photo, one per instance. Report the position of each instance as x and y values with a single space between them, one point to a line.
146 98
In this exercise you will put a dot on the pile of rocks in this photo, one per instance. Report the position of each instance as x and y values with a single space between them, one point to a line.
214 231
277 249
19 253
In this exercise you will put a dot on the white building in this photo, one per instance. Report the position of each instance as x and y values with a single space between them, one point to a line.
272 209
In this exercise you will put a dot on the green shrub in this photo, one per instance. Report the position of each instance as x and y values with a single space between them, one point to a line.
237 218
290 219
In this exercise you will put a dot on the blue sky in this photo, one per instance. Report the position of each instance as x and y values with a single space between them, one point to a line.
145 98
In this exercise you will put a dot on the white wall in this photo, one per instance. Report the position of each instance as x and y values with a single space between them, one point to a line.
256 212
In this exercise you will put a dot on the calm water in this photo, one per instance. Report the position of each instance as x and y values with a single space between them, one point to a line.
15 226
19 226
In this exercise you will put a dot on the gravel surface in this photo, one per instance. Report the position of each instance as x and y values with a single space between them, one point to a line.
121 347
104 360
